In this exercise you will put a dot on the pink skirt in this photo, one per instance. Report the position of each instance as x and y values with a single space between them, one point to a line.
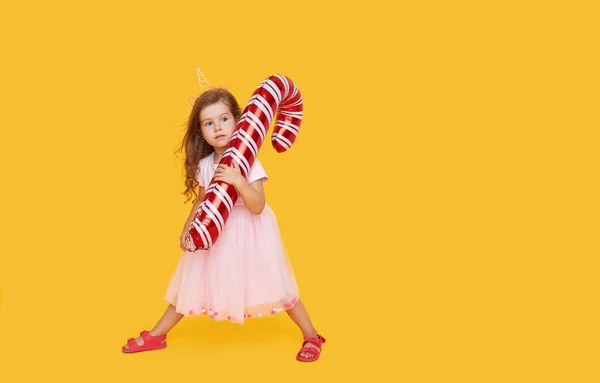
245 274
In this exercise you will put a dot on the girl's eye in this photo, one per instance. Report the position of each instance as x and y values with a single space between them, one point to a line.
225 118
208 124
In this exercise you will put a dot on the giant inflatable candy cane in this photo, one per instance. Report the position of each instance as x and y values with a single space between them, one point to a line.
275 94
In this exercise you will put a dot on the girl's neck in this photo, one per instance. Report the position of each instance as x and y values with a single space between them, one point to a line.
218 154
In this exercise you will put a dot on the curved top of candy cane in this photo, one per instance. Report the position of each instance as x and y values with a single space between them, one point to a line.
276 94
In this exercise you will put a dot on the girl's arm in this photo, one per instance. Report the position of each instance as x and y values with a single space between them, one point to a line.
195 208
186 228
253 195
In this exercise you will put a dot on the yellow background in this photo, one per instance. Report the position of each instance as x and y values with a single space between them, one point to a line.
440 204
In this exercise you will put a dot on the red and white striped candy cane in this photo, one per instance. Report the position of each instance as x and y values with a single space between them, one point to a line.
275 94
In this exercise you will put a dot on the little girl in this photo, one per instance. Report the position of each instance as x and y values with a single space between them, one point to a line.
246 273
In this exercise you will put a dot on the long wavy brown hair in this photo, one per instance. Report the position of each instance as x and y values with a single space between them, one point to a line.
194 146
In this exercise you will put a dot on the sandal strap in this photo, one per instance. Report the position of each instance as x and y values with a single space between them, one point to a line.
132 344
151 340
310 350
318 341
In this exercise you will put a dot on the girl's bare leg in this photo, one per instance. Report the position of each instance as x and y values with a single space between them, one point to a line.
299 315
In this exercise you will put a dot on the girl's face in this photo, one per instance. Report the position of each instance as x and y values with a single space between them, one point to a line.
217 125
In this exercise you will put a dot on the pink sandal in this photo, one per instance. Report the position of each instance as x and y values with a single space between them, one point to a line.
315 352
150 343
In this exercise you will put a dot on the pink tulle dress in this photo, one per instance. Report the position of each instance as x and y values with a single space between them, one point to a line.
245 274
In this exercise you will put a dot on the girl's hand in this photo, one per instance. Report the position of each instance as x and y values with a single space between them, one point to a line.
183 240
230 174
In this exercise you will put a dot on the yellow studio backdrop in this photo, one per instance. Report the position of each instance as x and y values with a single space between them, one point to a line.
440 205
